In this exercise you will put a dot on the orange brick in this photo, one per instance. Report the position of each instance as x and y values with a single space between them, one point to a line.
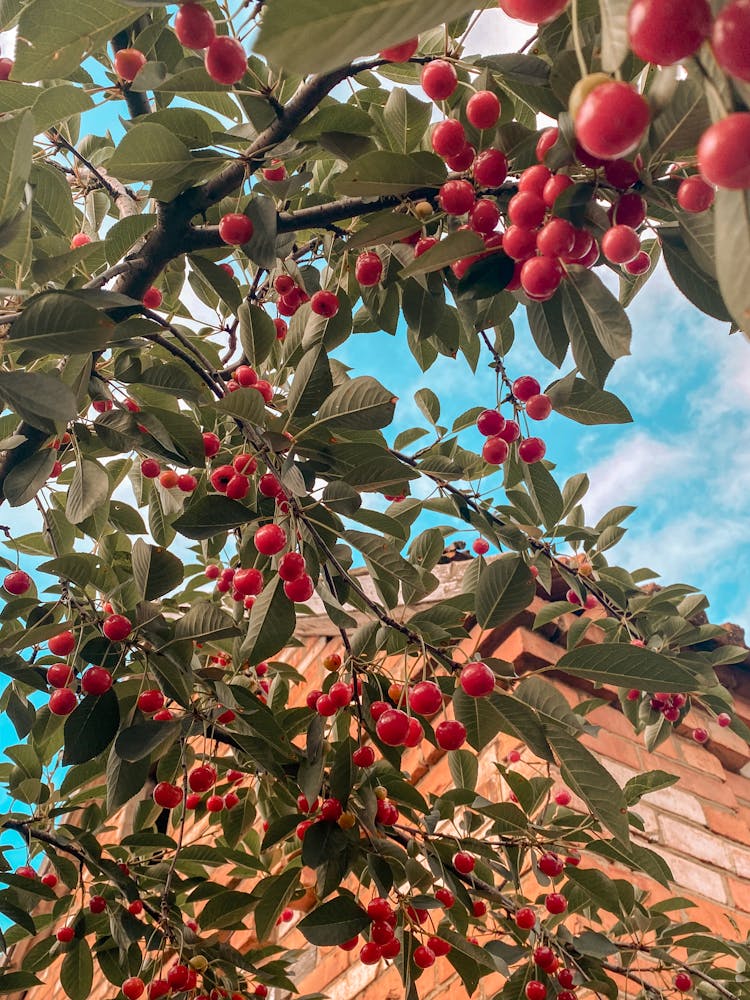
698 757
616 747
731 824
740 891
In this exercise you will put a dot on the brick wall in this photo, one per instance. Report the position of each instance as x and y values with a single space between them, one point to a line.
700 826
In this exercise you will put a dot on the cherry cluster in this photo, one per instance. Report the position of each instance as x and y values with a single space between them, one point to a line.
500 431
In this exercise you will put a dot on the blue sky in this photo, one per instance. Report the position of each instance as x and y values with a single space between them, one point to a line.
687 384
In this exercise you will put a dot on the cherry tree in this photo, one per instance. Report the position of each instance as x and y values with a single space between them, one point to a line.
308 171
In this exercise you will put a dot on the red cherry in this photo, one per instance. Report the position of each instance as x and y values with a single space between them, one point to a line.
168 479
484 216
620 244
547 140
729 37
6 68
639 264
612 120
291 566
330 810
424 957
392 727
202 778
325 303
446 897
526 209
439 946
550 864
265 389
525 918
281 328
235 229
724 720
425 698
62 644
683 982
565 978
221 477
539 407
26 871
621 174
194 28
211 444
490 422
152 299
363 757
562 798
402 52
462 160
535 990
50 880
245 376
477 679
694 194
533 11
134 986
525 387
483 109
65 934
450 735
187 483
479 908
456 197
62 701
415 735
127 64
555 902
439 79
340 694
700 735
519 243
532 450
150 468
178 977
554 188
79 240
464 862
300 589
270 539
380 909
96 681
167 795
370 953
448 138
541 277
556 238
495 451
225 60
17 582
652 34
368 269
97 904
214 803
724 152
629 210
135 907
248 582
158 988
150 701
490 168
117 627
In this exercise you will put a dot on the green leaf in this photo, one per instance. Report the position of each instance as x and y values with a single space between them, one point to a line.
227 910
615 44
357 404
545 493
334 922
548 329
91 727
462 243
138 742
406 120
16 145
155 571
54 40
505 588
60 324
680 124
42 400
125 779
121 237
24 480
312 383
385 172
205 621
585 776
628 666
485 278
56 104
148 152
325 34
697 286
464 768
649 781
210 515
732 214
274 892
549 703
53 197
88 491
609 321
77 970
484 718
17 982
247 404
584 403
271 624
257 333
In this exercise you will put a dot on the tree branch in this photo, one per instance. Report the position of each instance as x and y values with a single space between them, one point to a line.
138 103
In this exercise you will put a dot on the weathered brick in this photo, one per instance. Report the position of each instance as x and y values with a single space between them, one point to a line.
740 891
731 824
695 843
694 878
616 748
